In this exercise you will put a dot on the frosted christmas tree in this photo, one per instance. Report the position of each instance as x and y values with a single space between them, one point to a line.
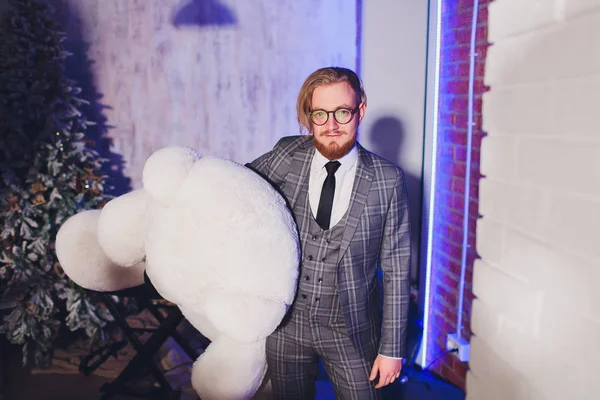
48 173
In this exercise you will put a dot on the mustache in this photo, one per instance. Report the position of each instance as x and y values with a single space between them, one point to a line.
336 131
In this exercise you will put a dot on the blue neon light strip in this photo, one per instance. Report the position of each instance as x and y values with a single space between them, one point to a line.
426 316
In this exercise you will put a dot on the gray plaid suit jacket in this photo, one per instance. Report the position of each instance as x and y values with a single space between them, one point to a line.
377 234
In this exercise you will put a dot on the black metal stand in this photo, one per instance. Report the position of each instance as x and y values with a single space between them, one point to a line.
143 362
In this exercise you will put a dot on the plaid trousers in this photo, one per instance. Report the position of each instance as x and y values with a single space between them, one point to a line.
292 352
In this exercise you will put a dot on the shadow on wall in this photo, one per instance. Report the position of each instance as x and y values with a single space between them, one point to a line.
386 136
204 13
80 68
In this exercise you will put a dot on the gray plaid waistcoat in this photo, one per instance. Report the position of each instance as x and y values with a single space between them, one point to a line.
317 289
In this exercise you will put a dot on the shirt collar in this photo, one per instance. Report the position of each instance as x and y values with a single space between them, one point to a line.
346 161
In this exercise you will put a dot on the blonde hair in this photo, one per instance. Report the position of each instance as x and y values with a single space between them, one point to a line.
325 76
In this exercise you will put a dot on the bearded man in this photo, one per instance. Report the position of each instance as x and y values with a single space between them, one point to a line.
351 209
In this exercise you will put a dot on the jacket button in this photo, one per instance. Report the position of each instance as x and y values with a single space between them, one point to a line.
328 241
317 300
314 238
320 280
309 258
304 296
306 278
323 259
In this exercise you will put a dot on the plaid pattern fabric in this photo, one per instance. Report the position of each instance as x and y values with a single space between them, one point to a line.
377 234
292 359
317 288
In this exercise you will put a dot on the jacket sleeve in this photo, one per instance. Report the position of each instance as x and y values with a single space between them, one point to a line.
261 164
395 265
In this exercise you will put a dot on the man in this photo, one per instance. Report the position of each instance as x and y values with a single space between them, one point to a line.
351 209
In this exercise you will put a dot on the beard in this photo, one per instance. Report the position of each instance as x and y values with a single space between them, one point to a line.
333 150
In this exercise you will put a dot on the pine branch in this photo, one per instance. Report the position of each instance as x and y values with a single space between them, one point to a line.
47 174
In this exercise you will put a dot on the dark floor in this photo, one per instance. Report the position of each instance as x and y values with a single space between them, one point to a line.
20 384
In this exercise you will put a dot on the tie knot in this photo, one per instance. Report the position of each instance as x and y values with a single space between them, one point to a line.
332 166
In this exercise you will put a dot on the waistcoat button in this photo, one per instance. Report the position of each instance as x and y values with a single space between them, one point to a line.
310 258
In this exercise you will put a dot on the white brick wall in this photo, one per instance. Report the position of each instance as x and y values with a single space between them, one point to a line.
536 319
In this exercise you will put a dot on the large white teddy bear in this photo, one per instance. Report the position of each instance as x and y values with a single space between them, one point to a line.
215 239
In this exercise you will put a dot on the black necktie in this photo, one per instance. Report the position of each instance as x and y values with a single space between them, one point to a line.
326 201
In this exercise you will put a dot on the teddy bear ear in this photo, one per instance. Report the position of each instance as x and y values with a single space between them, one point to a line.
165 170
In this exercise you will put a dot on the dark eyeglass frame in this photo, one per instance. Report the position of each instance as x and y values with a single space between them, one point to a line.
352 111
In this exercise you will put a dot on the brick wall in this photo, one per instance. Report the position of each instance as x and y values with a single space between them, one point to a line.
536 318
450 181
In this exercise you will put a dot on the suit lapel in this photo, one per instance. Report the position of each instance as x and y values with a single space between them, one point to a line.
360 193
301 162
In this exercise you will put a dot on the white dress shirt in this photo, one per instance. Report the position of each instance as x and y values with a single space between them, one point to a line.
344 181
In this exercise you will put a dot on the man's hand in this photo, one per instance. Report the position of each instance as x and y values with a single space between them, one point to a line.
388 369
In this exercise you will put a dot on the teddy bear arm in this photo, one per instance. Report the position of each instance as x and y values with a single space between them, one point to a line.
229 369
122 227
84 261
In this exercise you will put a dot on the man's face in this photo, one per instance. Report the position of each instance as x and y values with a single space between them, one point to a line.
334 140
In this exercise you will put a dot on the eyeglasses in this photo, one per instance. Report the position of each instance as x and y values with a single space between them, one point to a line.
341 115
